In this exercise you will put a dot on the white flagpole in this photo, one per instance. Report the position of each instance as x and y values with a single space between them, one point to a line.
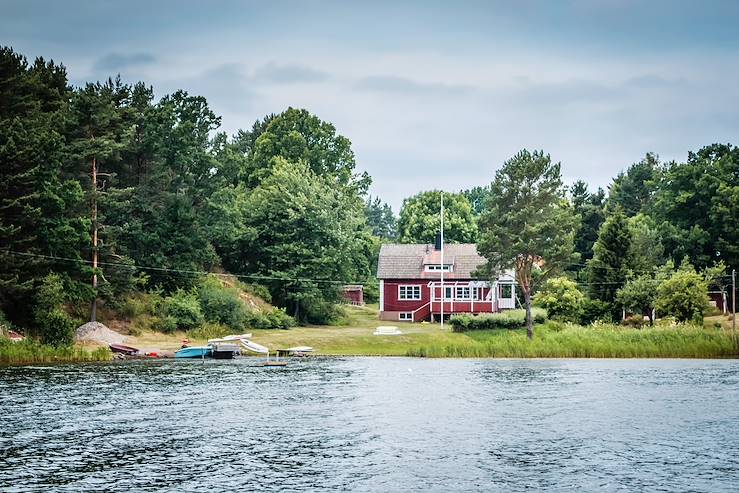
442 261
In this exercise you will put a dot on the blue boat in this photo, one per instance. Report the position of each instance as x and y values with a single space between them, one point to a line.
194 352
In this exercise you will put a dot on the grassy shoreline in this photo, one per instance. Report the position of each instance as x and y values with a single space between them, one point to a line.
354 337
29 352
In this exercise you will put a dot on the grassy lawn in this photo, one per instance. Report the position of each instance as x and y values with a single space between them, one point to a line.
355 337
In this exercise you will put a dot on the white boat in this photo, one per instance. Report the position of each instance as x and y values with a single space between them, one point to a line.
233 339
300 349
254 347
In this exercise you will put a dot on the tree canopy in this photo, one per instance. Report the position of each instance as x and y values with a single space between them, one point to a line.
420 218
528 223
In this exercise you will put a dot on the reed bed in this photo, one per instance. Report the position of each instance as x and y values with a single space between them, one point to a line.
554 340
29 351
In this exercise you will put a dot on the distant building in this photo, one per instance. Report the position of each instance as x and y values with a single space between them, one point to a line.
353 294
411 289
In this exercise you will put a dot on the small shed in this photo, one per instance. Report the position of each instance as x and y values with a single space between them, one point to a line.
354 294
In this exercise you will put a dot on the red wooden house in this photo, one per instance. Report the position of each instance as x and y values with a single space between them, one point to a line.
411 289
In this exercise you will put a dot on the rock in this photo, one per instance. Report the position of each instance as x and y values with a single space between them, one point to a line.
99 333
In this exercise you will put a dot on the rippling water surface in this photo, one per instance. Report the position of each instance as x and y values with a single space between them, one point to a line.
371 424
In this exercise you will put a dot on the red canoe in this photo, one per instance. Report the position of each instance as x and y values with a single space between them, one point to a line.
120 348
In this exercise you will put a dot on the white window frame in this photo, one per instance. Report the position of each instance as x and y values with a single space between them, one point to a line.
462 289
437 268
405 316
415 292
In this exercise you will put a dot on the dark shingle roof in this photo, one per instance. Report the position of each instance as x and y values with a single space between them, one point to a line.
407 261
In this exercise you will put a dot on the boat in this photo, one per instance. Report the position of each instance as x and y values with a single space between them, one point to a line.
123 349
295 351
224 350
194 352
254 347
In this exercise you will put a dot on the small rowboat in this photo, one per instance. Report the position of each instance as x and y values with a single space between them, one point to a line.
120 348
193 352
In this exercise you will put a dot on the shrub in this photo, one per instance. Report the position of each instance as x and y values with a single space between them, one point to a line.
258 290
208 331
54 326
221 304
635 321
561 299
181 311
595 311
510 319
683 295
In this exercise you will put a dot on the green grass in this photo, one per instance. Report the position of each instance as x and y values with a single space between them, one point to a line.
553 340
29 351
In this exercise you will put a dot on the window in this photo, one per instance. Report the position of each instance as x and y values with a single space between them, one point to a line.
437 268
463 293
447 293
409 292
506 291
405 316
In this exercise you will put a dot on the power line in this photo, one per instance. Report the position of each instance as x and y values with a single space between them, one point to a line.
178 271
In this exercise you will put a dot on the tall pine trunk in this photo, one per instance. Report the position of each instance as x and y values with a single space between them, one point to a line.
529 319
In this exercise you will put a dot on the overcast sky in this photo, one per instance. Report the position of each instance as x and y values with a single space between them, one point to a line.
431 94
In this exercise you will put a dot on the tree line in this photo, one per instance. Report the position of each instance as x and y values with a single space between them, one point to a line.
660 226
151 189
168 197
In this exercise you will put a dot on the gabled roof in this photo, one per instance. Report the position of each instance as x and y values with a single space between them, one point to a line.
407 261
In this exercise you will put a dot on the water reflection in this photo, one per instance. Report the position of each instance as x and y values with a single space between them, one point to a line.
374 424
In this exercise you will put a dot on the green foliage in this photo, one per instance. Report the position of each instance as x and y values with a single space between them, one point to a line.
477 197
646 249
609 267
590 208
30 351
296 136
221 304
561 298
180 311
633 192
595 311
40 206
528 221
603 341
695 203
53 325
380 219
684 295
308 236
420 218
638 296
509 319
258 290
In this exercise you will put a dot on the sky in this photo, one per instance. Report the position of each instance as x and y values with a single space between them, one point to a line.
432 95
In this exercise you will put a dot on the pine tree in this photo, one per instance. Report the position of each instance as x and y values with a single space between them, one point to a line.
609 267
38 208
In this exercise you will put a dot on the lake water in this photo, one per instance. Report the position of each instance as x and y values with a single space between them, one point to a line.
371 424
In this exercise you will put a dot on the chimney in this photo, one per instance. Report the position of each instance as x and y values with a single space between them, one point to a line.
437 244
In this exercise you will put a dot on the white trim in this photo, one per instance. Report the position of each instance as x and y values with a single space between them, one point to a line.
382 295
408 316
414 288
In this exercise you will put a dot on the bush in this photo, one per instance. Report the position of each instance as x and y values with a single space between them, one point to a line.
510 319
683 295
561 299
181 311
54 326
222 304
595 311
635 321
258 290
